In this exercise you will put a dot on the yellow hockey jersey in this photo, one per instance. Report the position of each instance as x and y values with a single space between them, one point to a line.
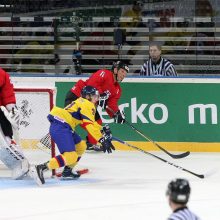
80 111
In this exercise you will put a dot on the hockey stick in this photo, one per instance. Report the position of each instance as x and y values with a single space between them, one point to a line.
174 156
165 161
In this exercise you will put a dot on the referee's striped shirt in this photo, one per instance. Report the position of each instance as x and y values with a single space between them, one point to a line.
183 214
162 68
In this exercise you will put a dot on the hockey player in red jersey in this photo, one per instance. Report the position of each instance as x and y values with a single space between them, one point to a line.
10 153
107 83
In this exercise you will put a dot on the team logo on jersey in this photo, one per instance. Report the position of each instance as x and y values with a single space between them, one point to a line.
102 73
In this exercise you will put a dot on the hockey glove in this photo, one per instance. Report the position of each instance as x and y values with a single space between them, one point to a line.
13 116
119 117
103 99
107 132
106 144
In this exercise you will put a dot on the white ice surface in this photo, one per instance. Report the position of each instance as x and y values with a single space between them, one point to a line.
119 186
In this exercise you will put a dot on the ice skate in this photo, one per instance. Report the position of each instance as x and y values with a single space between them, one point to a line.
69 174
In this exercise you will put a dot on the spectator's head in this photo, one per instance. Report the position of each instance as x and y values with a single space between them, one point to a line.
90 93
155 52
178 192
203 8
120 70
138 5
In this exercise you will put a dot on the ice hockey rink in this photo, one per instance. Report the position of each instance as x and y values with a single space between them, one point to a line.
123 185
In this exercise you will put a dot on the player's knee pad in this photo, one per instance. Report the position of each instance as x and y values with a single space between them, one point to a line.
70 157
80 148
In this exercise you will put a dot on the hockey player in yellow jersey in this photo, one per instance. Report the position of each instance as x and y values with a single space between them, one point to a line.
62 130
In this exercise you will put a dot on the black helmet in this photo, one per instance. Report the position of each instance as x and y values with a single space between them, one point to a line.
120 65
179 190
89 90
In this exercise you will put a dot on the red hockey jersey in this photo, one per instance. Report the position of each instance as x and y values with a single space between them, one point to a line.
103 81
7 95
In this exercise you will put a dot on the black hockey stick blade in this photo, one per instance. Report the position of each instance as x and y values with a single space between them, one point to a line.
174 156
201 176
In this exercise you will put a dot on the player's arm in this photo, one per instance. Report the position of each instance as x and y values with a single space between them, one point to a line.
9 107
113 110
104 139
88 121
94 129
113 105
9 102
7 90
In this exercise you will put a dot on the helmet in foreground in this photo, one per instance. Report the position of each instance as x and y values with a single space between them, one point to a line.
89 91
178 190
120 65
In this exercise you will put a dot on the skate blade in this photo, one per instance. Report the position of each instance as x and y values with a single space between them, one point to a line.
68 178
33 173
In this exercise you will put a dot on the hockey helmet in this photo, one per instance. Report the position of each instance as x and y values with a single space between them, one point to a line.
178 191
120 65
90 91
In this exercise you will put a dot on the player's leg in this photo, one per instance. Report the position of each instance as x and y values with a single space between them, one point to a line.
12 157
62 135
80 146
11 153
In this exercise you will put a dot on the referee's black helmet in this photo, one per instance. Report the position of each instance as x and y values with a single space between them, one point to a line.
179 191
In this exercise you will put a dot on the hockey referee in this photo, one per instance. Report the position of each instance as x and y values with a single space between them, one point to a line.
157 65
178 192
